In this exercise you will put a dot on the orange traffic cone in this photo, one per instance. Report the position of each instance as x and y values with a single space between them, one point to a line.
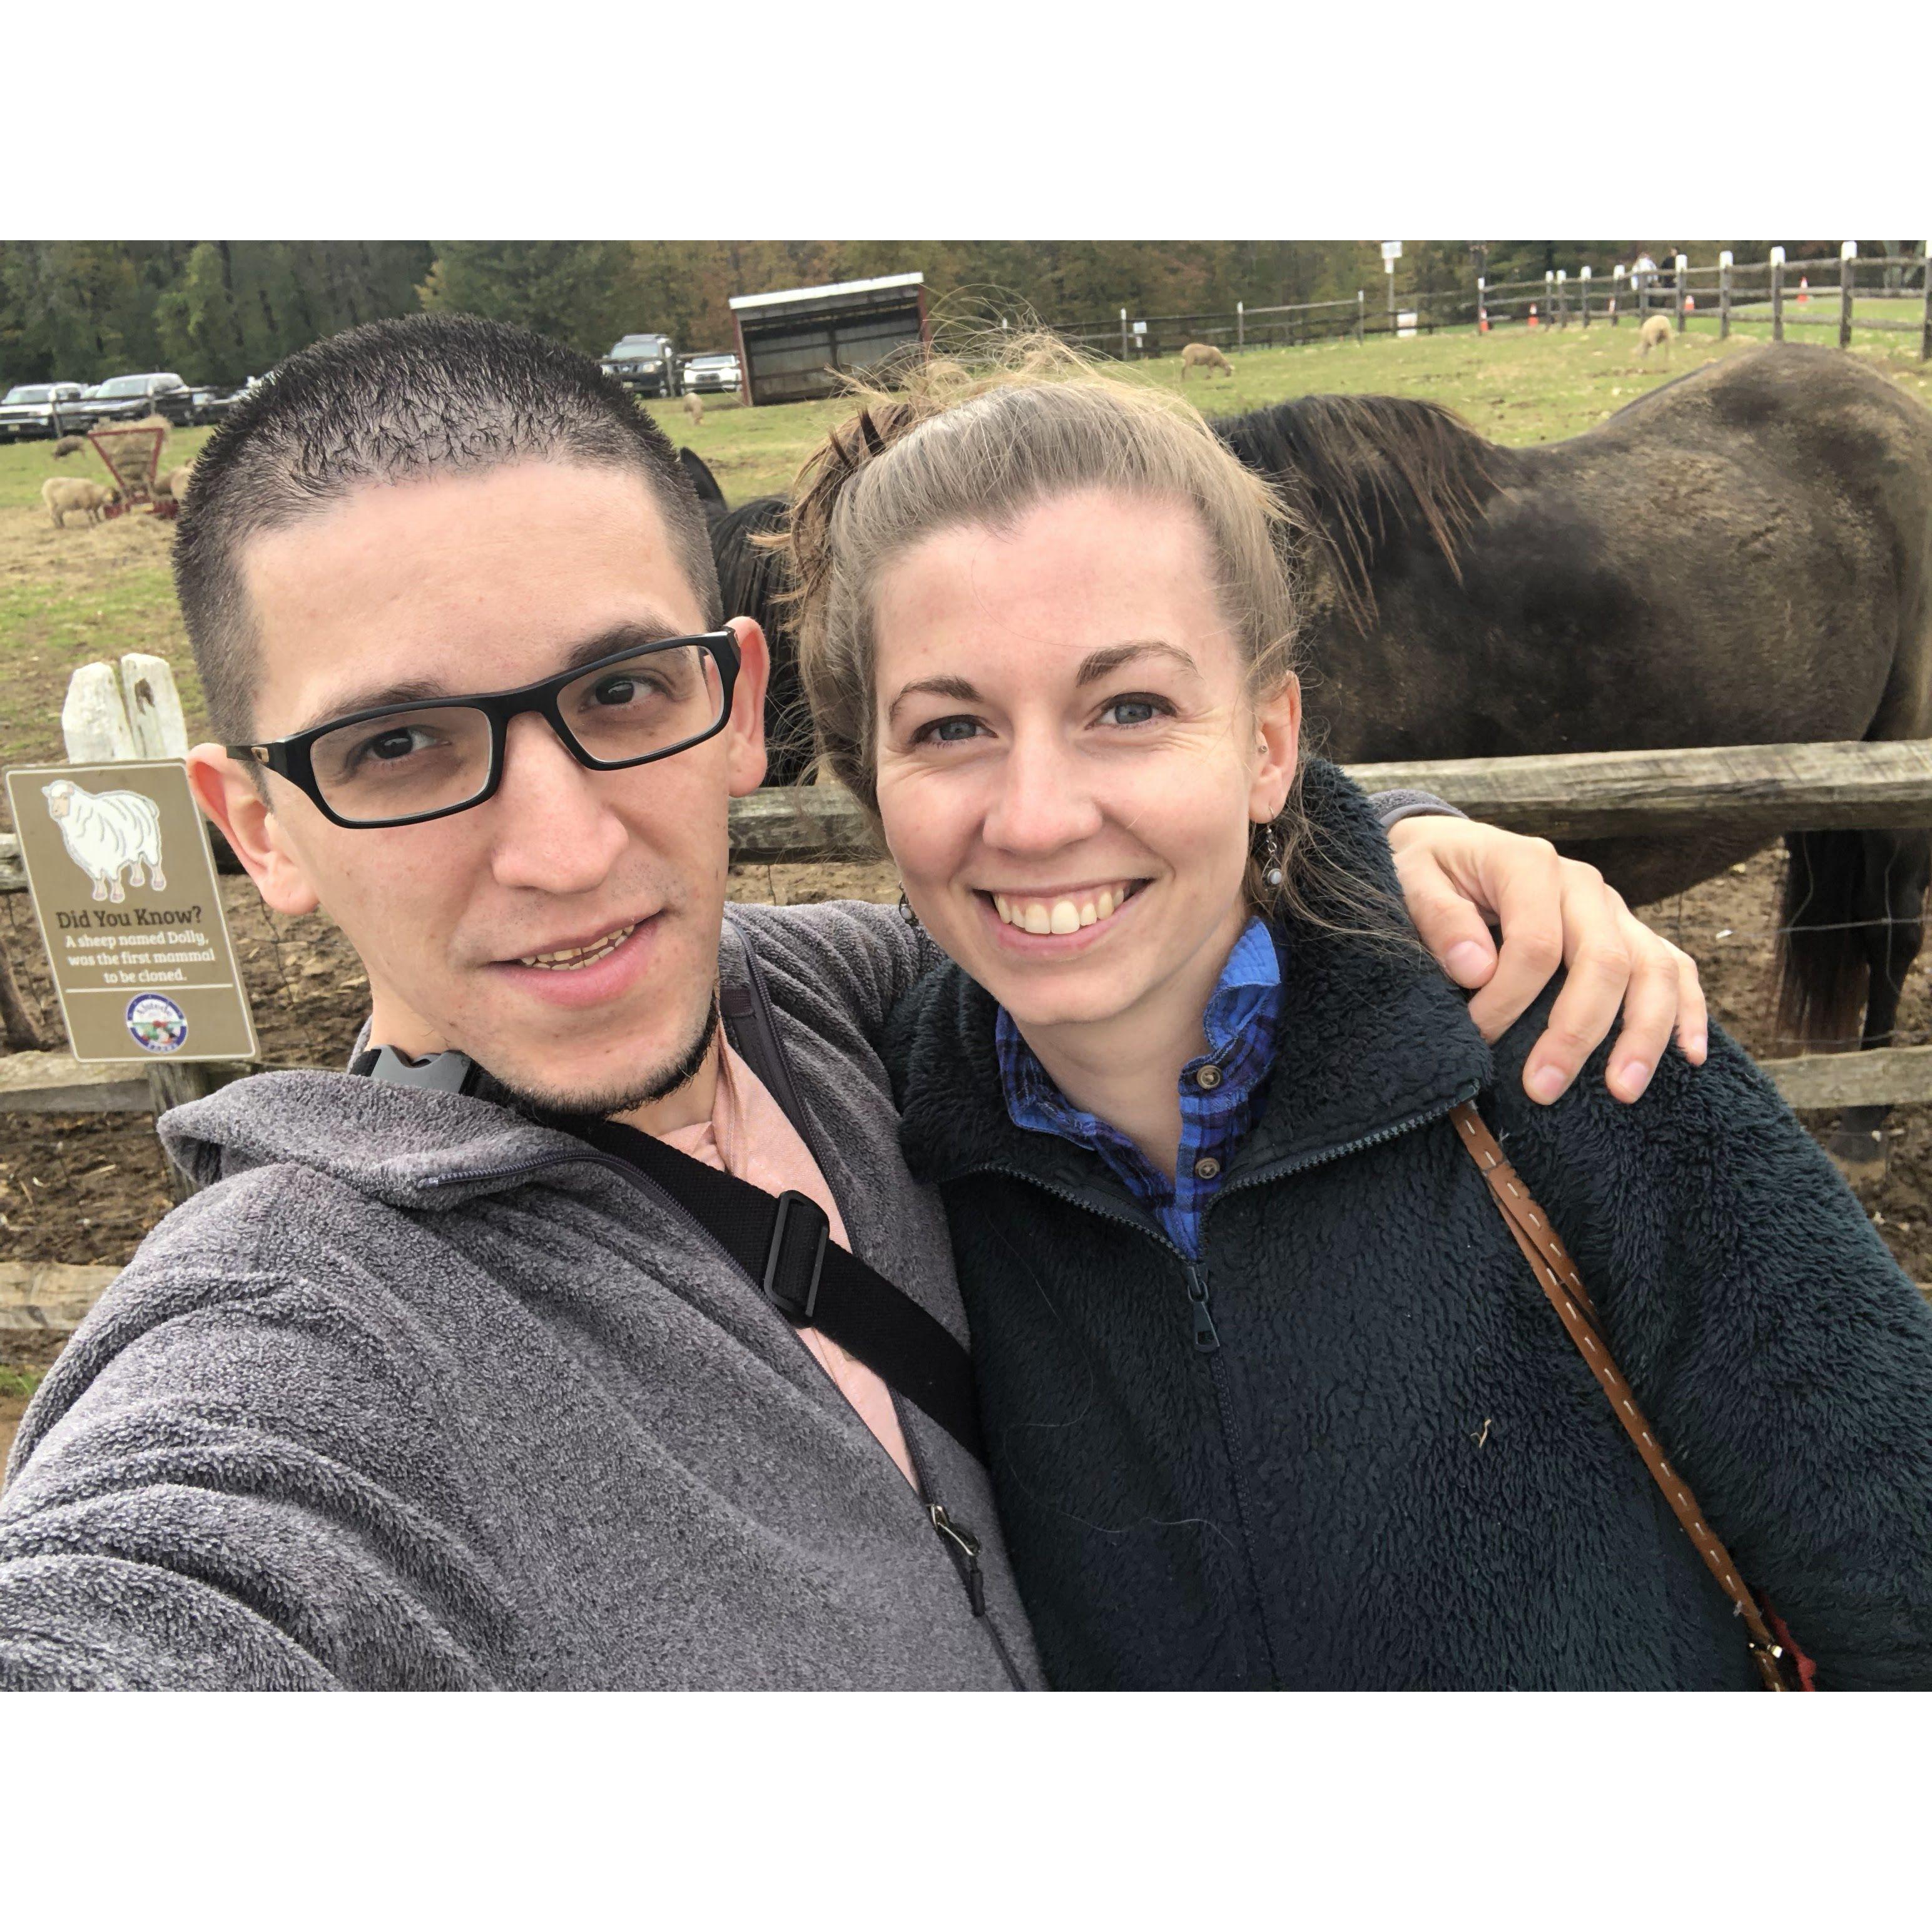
1804 289
1482 322
1690 303
1532 315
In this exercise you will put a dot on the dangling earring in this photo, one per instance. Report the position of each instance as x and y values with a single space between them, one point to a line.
1271 867
906 912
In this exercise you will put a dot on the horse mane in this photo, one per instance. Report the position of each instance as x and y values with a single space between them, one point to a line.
1362 472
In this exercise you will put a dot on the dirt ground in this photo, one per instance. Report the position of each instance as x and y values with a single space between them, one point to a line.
86 1187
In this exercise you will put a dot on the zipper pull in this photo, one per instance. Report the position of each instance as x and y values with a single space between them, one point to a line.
966 1546
1205 1338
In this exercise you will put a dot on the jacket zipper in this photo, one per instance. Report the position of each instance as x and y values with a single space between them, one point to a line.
1206 1337
954 1537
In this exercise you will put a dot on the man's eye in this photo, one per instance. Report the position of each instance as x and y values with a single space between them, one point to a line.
386 747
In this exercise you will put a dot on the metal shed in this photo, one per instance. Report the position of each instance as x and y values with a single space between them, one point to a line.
791 341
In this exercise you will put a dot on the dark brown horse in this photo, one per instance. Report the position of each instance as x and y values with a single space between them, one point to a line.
1742 556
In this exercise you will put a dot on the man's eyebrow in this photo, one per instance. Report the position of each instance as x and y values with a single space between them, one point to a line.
1098 664
959 687
630 636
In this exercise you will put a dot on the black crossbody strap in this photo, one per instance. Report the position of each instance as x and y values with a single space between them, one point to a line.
781 1242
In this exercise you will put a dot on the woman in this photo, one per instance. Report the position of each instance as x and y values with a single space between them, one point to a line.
1272 1396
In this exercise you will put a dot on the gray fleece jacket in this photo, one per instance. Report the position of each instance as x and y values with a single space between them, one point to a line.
424 1395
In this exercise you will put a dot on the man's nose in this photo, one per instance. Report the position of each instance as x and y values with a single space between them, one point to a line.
555 831
1042 800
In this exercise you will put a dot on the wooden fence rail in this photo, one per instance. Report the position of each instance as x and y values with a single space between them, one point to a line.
1766 789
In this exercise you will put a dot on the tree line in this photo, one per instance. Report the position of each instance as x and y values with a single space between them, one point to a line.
218 311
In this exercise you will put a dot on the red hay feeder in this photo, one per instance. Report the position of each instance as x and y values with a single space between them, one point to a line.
132 455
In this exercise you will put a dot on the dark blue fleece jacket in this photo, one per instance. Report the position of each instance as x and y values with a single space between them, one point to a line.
1354 1446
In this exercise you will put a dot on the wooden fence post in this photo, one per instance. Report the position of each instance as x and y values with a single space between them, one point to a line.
1723 292
1683 292
1583 278
1361 316
1562 299
1777 294
1925 333
1848 276
1241 324
1616 289
1123 335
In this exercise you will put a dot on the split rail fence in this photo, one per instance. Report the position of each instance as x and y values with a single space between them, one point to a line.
1848 294
1761 788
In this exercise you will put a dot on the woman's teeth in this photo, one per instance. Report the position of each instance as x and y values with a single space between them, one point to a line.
1067 915
581 956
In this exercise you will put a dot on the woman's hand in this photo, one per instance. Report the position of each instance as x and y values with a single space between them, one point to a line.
1458 876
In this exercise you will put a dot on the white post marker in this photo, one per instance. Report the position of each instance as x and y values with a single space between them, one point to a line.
94 719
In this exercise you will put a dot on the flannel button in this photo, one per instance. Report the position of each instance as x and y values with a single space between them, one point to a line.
1206 1168
1208 1077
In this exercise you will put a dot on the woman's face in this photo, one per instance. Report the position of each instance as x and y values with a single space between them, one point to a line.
1070 765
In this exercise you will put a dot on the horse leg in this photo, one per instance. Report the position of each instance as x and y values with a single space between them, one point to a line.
1897 867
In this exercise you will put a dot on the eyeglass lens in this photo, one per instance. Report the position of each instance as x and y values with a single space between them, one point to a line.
408 762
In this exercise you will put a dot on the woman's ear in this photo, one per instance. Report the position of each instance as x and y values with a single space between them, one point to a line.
1278 729
231 796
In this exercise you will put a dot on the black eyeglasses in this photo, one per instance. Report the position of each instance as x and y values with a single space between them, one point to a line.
400 764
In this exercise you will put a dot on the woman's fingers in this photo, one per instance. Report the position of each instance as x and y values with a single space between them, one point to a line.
1599 959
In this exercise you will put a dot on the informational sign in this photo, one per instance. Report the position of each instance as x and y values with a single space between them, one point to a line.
1405 322
1391 254
124 886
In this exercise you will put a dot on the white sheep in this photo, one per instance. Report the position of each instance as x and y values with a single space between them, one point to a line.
69 445
1204 356
63 494
1655 334
107 833
175 483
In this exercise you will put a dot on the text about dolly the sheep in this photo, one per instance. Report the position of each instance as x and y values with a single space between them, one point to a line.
135 948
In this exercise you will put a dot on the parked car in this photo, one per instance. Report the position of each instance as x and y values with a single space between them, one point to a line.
708 373
128 398
38 408
645 364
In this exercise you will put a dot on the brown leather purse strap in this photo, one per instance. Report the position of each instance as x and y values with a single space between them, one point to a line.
1550 1262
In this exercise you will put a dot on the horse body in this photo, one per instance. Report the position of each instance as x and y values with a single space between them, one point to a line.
1743 556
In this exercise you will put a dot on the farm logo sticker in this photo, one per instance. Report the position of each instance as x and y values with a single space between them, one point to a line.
130 911
158 1025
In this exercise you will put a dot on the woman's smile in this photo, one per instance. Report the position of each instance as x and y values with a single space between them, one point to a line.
1060 912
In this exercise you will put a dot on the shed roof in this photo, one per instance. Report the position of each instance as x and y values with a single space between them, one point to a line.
827 290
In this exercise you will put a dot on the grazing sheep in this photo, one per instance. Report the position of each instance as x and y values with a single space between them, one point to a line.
107 833
69 445
1655 334
63 494
175 483
1204 355
694 409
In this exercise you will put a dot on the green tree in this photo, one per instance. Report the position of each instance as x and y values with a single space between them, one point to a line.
579 292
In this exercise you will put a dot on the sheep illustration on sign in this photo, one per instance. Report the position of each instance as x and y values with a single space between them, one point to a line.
107 833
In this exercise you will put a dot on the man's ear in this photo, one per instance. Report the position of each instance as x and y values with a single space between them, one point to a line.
228 792
1278 726
746 731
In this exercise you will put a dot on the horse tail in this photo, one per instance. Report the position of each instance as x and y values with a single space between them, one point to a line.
1822 962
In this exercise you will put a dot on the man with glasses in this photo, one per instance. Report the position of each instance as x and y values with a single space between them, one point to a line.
444 1380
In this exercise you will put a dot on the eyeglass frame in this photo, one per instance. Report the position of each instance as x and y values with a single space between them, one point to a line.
290 757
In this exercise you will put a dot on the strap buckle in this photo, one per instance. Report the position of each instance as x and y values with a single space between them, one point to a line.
796 1257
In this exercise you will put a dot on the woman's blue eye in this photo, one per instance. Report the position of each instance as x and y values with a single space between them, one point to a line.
1133 710
950 730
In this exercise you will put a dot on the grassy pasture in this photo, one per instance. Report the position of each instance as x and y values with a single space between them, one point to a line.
94 591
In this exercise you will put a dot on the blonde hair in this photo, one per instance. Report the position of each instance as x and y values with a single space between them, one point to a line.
958 445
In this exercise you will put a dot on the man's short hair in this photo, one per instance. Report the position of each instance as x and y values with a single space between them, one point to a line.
385 402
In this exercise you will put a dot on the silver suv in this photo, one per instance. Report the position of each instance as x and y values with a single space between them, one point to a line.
38 408
128 398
